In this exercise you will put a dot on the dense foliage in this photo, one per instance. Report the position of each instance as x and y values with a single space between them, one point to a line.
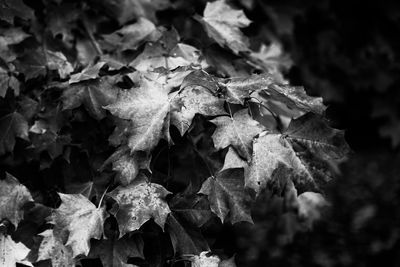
133 136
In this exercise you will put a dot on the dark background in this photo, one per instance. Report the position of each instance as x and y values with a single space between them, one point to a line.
347 52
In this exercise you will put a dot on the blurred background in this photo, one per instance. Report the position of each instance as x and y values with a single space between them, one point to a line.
347 52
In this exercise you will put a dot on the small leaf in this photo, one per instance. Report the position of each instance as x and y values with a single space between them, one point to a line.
227 196
13 196
138 202
237 131
223 24
128 165
12 253
80 218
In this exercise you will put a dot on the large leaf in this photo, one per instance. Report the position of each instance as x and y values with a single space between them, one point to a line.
81 219
13 196
146 107
138 202
115 253
227 196
223 24
52 248
12 253
237 131
150 108
306 152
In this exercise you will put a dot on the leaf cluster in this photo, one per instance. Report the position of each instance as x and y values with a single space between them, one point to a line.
131 143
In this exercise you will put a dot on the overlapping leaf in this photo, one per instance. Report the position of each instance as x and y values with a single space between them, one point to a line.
238 131
11 252
13 196
305 152
138 202
227 196
150 108
223 24
81 219
93 94
52 248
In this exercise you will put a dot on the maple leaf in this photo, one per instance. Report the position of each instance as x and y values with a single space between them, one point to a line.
52 248
272 59
223 24
146 107
185 239
93 94
13 196
138 202
115 253
128 165
197 95
12 125
274 152
167 53
239 89
81 219
14 8
150 108
295 97
238 131
57 61
128 37
7 80
12 253
227 196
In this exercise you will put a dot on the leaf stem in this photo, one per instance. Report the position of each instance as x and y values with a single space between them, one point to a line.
102 197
